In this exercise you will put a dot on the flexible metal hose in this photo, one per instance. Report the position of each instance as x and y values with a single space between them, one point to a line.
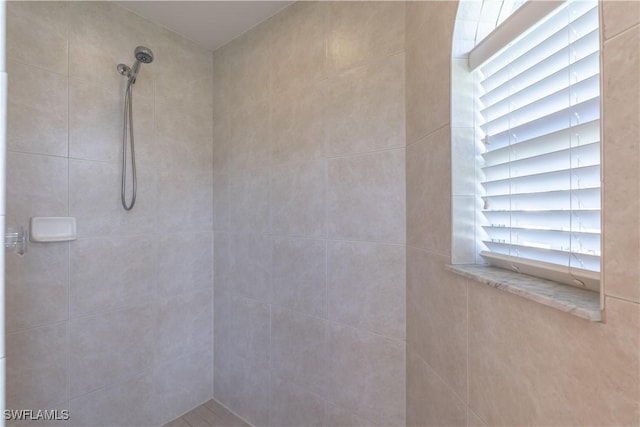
128 125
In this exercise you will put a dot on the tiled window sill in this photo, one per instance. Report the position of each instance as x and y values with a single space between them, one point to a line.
578 302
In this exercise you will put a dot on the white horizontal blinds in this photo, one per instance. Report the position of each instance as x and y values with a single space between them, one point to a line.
541 125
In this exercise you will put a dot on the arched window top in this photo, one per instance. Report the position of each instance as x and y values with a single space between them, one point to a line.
476 19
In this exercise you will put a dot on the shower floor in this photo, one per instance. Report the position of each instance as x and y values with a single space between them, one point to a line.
209 414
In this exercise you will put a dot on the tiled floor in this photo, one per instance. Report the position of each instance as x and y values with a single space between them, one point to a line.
209 414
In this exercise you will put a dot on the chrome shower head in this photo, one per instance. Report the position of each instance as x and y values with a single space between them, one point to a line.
144 54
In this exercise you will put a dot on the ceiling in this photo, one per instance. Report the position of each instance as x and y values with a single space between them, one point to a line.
211 24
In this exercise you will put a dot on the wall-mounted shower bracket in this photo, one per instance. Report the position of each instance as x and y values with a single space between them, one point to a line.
125 70
15 240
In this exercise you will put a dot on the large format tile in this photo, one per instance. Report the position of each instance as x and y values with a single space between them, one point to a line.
299 275
617 16
37 368
430 402
184 262
124 276
37 114
37 286
249 138
36 186
250 334
95 200
299 350
429 193
250 265
109 349
183 325
365 110
183 383
428 50
366 197
519 347
437 317
102 35
292 406
342 417
37 34
298 199
221 202
249 202
96 124
298 47
184 201
366 373
621 188
366 286
361 31
298 126
133 402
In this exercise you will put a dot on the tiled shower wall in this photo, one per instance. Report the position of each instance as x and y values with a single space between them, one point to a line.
116 326
477 356
309 217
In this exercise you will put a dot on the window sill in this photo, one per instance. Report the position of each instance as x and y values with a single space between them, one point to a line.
578 302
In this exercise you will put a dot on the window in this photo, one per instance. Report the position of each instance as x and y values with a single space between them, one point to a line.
537 93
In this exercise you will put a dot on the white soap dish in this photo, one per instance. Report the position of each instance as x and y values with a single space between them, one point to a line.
52 229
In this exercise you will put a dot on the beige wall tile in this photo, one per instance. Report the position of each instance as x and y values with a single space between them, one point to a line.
96 120
221 262
36 186
250 333
249 138
183 326
553 351
428 49
95 201
184 201
429 193
298 199
366 373
37 34
250 258
132 402
298 124
221 202
473 420
365 110
221 144
102 35
366 197
293 406
299 350
183 383
299 275
366 286
37 367
298 46
37 286
619 16
184 262
37 111
338 416
430 402
124 276
437 318
109 349
362 31
249 202
621 189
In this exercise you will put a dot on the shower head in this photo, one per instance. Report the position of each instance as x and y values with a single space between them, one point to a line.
144 55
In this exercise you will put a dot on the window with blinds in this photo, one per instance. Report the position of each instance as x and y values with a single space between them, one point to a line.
540 108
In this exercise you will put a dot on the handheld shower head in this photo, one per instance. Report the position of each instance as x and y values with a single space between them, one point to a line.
144 54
